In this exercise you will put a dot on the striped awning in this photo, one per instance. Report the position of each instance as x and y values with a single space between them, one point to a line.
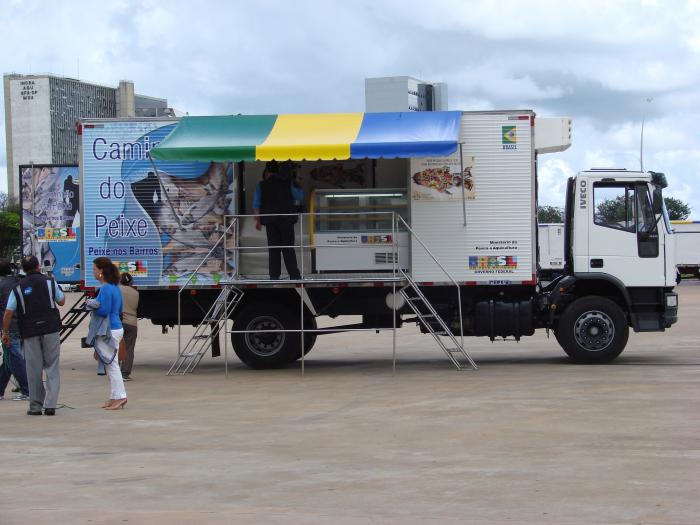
312 137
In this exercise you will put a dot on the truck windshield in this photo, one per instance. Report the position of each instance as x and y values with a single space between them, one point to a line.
657 192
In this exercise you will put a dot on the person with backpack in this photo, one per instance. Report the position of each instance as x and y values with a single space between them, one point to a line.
35 301
13 361
275 201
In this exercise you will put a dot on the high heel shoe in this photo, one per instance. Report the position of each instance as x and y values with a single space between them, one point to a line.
118 403
108 403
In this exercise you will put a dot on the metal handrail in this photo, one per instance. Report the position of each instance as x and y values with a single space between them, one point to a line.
189 279
444 270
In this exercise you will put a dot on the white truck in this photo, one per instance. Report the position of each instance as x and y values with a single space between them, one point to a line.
426 218
687 235
550 242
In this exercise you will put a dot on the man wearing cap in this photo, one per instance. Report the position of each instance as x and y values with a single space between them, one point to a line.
35 300
276 197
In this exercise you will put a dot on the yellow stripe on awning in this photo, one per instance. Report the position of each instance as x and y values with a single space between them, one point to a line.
312 137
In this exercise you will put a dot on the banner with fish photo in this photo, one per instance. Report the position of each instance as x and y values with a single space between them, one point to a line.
157 224
341 174
50 196
441 178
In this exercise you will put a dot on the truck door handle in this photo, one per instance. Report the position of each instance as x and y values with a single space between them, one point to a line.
596 263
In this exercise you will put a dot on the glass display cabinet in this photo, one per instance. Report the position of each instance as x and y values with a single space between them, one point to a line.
353 230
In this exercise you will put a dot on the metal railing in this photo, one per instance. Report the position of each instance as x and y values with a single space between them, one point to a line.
444 270
396 274
193 275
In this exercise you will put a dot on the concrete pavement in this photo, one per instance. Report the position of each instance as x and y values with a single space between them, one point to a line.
527 439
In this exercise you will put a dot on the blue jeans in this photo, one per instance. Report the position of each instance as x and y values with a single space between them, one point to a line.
13 365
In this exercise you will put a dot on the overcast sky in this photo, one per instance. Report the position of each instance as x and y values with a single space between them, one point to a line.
596 62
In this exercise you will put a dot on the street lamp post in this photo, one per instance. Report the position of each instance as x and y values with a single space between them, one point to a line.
641 137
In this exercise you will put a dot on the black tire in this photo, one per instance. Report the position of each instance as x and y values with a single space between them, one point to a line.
593 330
272 349
309 339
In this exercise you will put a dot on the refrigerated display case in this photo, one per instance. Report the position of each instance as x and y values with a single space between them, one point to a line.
353 230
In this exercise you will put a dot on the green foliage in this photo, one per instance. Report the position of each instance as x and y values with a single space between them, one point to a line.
677 209
613 211
548 214
9 226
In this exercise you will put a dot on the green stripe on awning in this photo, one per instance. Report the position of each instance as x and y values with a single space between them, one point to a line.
220 138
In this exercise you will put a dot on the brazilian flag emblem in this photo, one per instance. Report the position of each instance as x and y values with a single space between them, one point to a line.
508 135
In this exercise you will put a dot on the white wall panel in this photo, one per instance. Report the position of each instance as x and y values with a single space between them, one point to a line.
500 219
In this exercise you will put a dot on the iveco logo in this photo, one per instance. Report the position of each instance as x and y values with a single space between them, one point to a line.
583 196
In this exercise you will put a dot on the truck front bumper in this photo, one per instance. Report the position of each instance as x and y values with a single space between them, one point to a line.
670 315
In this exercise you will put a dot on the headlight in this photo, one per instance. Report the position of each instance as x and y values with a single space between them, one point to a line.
672 301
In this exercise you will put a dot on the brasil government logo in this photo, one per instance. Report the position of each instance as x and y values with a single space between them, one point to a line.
56 234
493 263
135 268
509 137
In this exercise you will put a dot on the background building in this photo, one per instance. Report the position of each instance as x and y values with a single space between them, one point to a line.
41 112
404 94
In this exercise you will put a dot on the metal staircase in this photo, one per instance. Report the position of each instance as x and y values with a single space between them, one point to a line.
435 325
75 315
207 332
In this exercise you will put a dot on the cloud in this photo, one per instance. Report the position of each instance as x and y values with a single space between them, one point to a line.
594 61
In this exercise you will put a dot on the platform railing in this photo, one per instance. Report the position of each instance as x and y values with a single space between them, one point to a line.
193 276
301 247
396 275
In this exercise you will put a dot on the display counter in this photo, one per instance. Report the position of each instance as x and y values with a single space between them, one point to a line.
353 230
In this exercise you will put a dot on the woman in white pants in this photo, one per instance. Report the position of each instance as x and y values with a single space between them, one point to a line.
107 345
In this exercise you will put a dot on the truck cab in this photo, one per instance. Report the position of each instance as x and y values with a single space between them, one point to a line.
620 263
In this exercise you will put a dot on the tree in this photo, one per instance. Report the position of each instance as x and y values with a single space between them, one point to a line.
614 211
547 214
9 225
677 209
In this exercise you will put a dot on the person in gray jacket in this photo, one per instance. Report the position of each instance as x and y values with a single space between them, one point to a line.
13 360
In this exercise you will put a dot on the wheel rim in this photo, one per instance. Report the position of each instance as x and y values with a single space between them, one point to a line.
268 343
594 330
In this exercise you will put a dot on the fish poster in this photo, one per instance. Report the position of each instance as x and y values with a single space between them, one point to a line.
50 197
442 178
157 224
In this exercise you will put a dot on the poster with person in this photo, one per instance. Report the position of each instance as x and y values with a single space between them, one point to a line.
159 222
50 202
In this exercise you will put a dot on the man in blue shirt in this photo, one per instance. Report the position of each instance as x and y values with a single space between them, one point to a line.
35 301
275 201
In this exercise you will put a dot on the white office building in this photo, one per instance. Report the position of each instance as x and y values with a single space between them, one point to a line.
41 112
404 94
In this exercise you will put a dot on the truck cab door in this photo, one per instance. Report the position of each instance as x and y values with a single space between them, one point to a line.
623 235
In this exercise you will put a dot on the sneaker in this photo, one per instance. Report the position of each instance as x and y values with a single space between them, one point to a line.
2 397
33 412
127 378
49 412
20 397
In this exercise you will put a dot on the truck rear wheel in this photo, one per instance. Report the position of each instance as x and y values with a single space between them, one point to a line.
269 349
593 330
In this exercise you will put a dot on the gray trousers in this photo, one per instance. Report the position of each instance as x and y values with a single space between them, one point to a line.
41 354
130 333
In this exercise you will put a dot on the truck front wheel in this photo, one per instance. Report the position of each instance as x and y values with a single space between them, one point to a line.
593 330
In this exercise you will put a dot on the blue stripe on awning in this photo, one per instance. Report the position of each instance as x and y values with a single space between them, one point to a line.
405 135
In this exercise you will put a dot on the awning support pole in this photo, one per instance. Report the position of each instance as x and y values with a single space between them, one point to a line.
165 193
461 174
